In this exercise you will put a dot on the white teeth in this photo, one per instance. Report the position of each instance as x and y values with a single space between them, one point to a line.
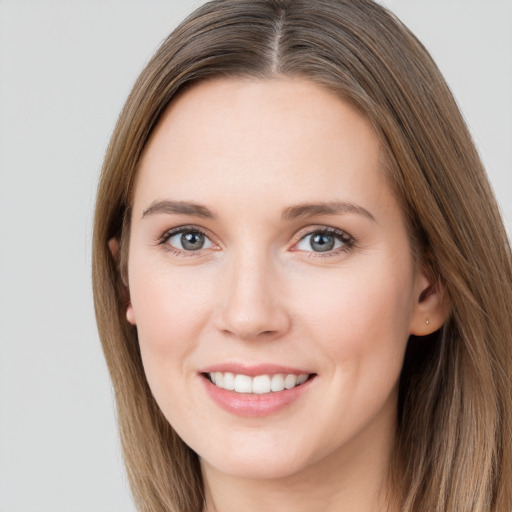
243 384
277 382
219 379
260 385
290 381
301 379
229 381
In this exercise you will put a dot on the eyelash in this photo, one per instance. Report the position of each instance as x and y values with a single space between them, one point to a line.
347 240
177 231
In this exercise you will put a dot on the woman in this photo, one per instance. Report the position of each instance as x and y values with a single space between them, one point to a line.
302 282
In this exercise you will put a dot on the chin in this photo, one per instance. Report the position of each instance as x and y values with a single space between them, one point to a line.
266 457
258 468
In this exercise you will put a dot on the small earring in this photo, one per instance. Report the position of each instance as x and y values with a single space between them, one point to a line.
427 321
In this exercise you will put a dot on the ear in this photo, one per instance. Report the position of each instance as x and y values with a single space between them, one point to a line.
113 245
430 308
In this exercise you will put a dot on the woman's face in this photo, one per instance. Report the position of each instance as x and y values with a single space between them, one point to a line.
267 249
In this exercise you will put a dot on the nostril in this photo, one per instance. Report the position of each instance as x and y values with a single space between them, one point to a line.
250 308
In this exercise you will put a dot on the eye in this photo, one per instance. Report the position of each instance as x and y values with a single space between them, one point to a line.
188 240
325 240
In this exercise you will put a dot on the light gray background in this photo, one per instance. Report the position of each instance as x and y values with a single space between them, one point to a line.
65 70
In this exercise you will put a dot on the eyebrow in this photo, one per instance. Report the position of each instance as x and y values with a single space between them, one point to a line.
330 208
290 213
180 208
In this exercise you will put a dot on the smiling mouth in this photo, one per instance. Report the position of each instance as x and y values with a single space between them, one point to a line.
257 385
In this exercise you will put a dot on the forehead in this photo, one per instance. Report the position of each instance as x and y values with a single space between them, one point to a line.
274 134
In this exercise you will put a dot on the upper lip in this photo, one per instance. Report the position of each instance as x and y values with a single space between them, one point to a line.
254 370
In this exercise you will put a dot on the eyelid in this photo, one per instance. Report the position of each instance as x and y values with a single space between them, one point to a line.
348 240
164 238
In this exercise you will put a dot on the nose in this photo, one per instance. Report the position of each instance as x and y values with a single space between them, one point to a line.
252 301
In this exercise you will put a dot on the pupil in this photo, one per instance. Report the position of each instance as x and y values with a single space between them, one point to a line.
192 241
322 243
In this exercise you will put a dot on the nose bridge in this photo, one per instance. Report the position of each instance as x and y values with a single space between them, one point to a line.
252 305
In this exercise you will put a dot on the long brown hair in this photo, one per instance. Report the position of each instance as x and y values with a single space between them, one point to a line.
454 437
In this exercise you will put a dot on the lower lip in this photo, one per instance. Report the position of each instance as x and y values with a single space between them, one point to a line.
245 404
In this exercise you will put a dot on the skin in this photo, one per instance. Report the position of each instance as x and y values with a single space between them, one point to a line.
258 292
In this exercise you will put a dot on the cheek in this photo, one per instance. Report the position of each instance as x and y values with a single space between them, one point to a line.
360 324
169 304
171 310
360 316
